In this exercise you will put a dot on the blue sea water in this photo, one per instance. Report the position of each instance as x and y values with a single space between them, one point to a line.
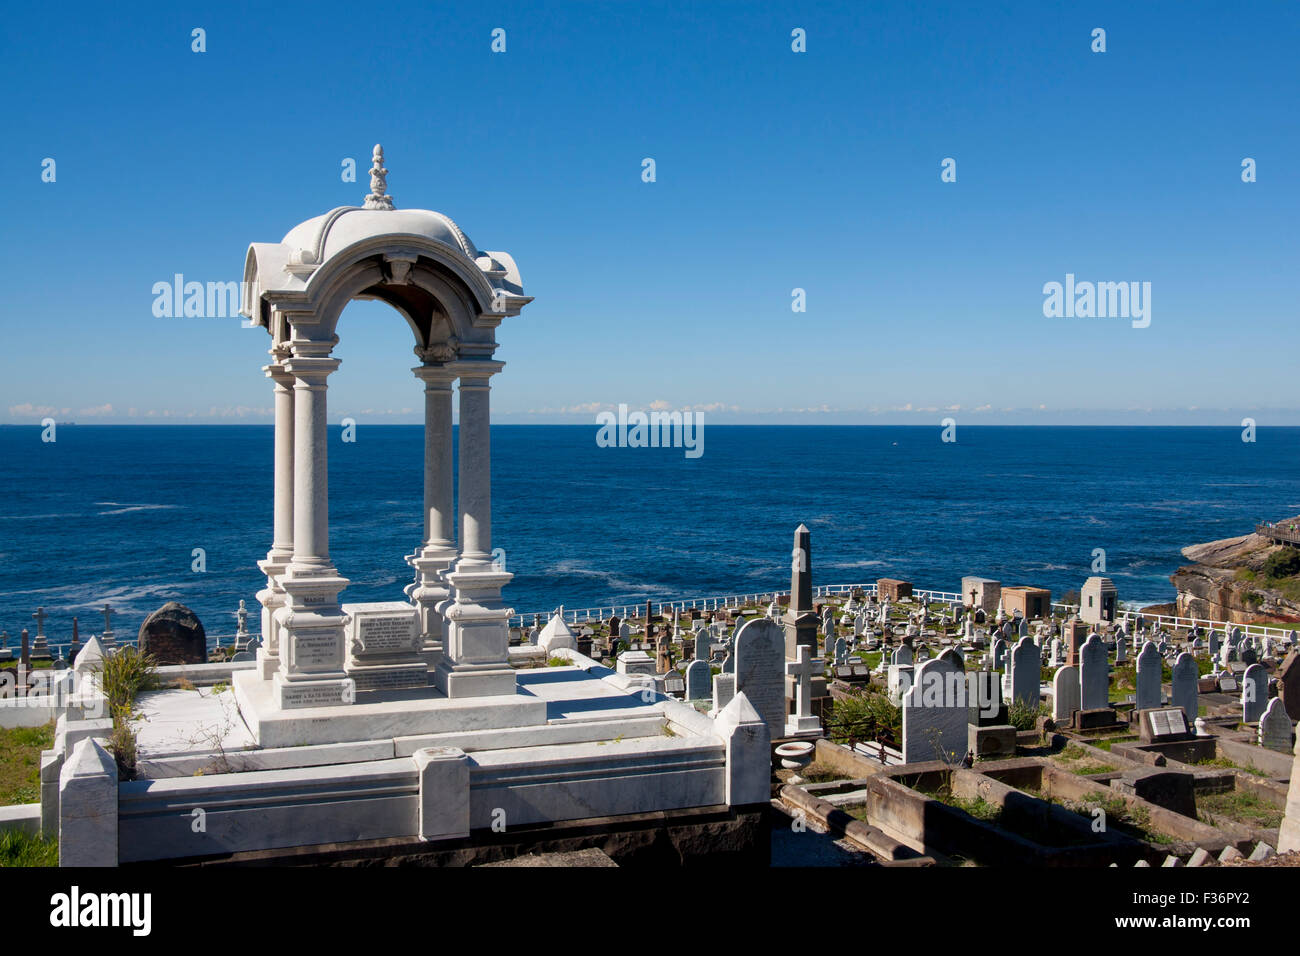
114 513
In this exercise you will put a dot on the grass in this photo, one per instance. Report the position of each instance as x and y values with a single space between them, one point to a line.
126 673
1105 744
1077 760
1135 821
23 849
1228 764
1241 806
20 762
817 772
557 662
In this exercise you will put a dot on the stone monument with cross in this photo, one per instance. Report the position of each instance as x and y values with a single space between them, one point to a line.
802 669
40 646
107 638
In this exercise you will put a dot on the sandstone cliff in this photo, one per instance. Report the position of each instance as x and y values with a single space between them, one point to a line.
1228 582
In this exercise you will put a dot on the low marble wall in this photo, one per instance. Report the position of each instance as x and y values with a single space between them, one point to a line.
260 810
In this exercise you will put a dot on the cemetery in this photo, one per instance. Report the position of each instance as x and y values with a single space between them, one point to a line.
892 724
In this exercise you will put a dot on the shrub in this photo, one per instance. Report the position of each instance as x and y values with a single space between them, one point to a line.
868 716
1023 717
123 743
126 673
1282 563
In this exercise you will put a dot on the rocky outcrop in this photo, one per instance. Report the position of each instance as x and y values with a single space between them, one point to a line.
1226 583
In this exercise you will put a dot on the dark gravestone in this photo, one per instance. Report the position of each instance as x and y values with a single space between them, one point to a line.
1172 789
174 635
1288 685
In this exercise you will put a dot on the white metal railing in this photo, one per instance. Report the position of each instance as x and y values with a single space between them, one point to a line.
663 608
714 603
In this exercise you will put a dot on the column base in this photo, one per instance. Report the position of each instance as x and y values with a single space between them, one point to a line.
328 691
268 664
426 593
474 680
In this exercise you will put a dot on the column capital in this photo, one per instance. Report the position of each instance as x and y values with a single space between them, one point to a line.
310 371
475 374
436 376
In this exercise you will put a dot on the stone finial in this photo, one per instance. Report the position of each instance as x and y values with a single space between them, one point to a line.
378 197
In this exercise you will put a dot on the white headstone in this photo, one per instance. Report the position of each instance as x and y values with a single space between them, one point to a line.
760 670
1275 727
1065 693
1094 675
1026 672
1184 690
698 680
1149 664
934 718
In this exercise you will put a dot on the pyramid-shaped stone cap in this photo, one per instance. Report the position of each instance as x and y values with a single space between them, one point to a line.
556 634
91 657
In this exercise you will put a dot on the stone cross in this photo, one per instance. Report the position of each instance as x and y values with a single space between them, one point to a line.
40 616
108 613
802 669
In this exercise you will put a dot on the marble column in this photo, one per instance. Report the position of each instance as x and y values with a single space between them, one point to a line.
437 551
277 559
476 661
311 622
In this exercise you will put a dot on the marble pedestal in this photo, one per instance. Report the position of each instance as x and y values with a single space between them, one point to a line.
476 659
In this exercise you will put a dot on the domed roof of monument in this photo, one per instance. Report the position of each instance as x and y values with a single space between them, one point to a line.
323 236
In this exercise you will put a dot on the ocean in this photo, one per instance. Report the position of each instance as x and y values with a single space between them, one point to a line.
115 513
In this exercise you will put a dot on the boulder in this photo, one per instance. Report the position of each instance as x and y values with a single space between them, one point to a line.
173 634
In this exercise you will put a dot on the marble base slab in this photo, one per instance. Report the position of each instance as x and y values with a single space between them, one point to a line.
377 715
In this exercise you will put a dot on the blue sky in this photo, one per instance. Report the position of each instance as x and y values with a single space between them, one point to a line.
775 170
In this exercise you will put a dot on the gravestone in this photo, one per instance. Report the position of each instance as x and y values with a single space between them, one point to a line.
383 643
173 634
1275 727
40 646
724 688
1026 672
1184 683
1163 725
1288 684
1121 649
802 669
1254 693
898 681
935 718
1094 675
635 662
999 654
841 650
903 656
760 671
1149 664
698 680
1227 682
1066 693
1074 632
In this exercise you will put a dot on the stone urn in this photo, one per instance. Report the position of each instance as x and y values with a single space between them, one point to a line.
795 756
